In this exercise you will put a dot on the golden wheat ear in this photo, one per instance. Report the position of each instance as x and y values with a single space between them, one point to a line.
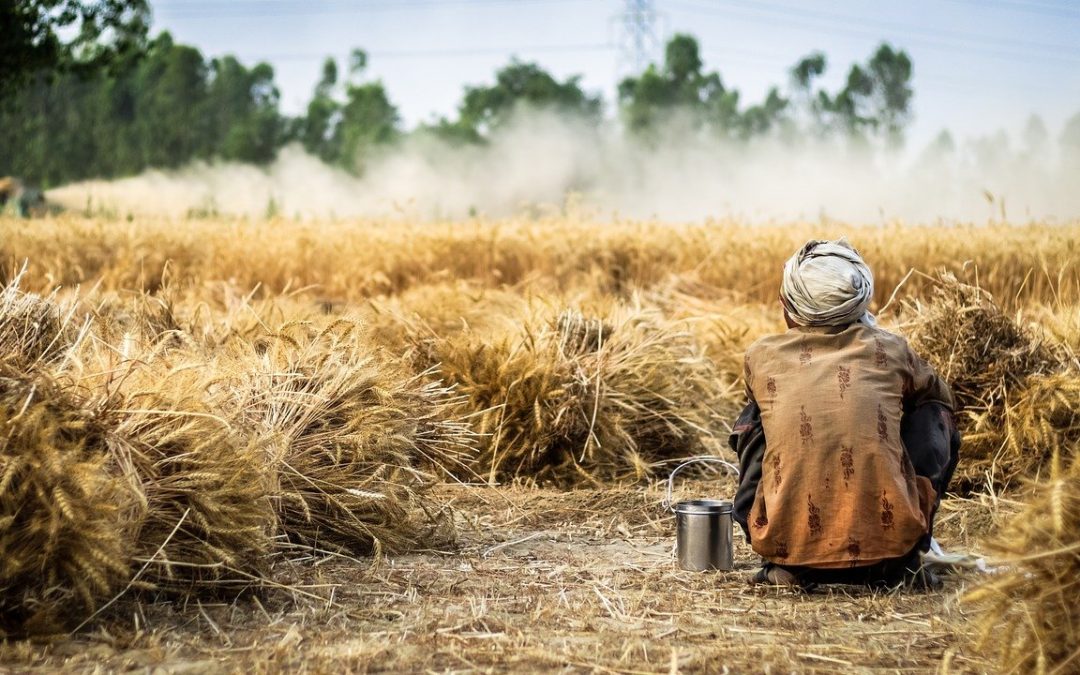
1007 379
65 530
1027 616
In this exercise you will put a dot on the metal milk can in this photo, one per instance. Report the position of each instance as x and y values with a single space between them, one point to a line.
703 527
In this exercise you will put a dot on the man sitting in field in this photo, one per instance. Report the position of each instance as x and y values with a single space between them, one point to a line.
848 441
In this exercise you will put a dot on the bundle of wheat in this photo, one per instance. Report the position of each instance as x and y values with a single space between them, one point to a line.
528 407
1031 620
997 369
141 317
402 323
353 435
660 392
574 398
65 511
206 513
974 345
1041 419
34 329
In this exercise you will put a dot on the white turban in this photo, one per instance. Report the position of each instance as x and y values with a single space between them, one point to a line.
826 283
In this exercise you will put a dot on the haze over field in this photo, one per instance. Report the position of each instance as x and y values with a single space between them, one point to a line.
543 160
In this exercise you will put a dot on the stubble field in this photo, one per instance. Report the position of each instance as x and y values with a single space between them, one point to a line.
381 446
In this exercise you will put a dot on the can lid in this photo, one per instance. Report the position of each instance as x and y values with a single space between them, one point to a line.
704 506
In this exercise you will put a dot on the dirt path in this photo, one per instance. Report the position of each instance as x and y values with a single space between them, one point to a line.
540 580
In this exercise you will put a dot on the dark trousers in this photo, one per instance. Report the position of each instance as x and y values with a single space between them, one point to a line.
889 572
932 443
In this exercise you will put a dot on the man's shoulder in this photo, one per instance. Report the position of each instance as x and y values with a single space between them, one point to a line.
769 341
889 338
785 342
767 344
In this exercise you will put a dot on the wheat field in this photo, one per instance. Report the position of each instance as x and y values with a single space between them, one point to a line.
280 445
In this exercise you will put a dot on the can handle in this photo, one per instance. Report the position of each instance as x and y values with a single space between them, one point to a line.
671 478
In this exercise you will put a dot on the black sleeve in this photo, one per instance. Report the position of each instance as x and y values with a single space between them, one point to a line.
932 442
747 439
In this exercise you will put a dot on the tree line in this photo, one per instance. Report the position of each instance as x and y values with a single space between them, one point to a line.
113 101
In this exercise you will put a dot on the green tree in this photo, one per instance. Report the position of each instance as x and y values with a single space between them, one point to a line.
802 76
517 85
347 121
242 108
680 87
891 70
43 36
650 98
368 118
159 108
876 97
315 129
171 91
808 69
760 119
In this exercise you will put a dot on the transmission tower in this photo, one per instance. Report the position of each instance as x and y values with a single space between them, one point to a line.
639 42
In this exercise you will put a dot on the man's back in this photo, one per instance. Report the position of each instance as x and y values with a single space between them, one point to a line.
837 488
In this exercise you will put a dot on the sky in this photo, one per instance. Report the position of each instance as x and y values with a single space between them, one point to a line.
980 66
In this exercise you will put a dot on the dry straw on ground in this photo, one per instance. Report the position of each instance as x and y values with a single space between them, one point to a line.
578 398
542 579
204 487
1015 387
64 544
213 447
354 439
1031 620
34 330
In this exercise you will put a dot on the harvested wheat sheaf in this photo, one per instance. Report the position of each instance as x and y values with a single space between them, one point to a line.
575 398
65 537
182 466
1016 390
206 516
444 310
1031 620
354 439
34 330
144 318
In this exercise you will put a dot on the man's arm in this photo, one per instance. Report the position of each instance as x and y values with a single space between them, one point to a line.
928 429
932 442
747 439
922 383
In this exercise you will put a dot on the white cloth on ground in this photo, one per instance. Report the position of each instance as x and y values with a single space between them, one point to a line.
940 561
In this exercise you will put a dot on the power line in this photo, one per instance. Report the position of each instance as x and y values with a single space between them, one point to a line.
833 17
768 63
441 52
1034 8
257 9
844 25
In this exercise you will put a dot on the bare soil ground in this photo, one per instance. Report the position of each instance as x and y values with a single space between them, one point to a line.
540 579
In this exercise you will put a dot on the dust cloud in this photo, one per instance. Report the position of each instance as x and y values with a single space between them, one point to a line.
542 162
